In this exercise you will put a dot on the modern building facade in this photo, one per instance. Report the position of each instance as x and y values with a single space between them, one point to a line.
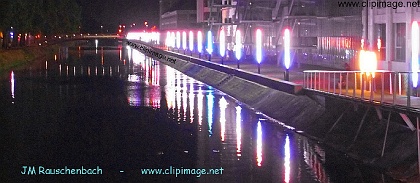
178 19
177 14
390 30
321 34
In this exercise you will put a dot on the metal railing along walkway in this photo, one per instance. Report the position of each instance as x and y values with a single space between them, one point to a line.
381 87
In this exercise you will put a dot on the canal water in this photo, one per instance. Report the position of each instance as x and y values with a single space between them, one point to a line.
114 112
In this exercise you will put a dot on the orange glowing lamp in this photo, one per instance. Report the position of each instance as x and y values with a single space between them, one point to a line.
368 61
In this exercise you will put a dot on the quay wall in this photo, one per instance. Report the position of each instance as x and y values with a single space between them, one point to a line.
354 128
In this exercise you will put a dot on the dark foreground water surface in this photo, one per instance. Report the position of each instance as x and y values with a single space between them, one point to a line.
123 116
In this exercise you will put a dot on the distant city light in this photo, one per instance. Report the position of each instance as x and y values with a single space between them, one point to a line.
238 46
258 45
147 36
287 48
415 52
133 36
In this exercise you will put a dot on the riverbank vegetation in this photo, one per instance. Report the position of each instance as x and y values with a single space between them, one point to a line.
23 21
20 58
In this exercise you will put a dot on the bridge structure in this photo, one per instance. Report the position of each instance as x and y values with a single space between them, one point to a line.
80 37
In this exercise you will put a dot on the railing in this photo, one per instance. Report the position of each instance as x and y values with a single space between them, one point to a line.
383 87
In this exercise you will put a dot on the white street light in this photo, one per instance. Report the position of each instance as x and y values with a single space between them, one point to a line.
415 52
191 39
199 43
286 53
222 45
258 46
238 46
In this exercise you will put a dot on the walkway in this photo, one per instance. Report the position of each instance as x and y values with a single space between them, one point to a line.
326 81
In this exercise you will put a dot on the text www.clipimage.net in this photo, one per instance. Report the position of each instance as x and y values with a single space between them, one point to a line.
378 4
182 171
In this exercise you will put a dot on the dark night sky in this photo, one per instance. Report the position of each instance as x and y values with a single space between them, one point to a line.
115 12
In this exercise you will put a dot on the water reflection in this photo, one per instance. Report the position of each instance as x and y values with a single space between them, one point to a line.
184 97
236 149
96 46
74 62
238 130
191 98
102 56
200 103
120 52
136 57
46 69
223 104
314 157
259 144
210 101
12 84
287 160
129 52
156 74
170 87
178 94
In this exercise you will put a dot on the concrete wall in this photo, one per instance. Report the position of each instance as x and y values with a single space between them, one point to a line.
311 113
401 143
278 101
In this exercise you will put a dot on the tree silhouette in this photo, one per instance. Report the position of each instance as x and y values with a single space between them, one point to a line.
44 17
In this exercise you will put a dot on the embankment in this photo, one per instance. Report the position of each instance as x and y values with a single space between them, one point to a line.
275 99
19 58
354 128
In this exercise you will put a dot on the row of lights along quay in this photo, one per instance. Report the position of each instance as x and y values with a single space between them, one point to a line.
178 41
